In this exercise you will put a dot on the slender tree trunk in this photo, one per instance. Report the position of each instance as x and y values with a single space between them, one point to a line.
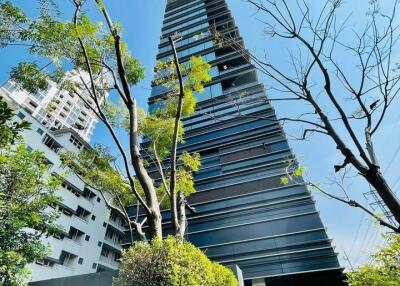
182 215
153 212
172 189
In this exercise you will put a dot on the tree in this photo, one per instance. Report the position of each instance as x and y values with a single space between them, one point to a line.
9 130
383 270
26 191
338 100
294 173
104 64
170 262
103 61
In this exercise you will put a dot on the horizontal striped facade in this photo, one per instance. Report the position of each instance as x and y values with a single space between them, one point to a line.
245 216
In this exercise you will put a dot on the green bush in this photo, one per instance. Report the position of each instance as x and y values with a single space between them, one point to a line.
170 262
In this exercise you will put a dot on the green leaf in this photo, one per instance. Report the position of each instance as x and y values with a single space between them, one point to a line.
26 191
284 180
298 172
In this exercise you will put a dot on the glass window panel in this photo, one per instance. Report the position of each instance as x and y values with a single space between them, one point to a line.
185 17
172 13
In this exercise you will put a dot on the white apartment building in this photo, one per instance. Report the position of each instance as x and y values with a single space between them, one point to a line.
92 234
57 109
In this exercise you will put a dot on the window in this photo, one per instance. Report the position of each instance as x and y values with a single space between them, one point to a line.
199 36
87 193
51 143
33 104
188 31
9 86
29 148
113 217
21 115
87 237
65 211
82 213
39 95
93 217
99 243
211 91
159 89
80 260
71 188
40 131
75 141
75 234
183 26
67 258
173 12
117 256
185 17
104 224
45 262
98 200
109 233
94 265
191 50
105 252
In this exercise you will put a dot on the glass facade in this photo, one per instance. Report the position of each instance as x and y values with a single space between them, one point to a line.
245 216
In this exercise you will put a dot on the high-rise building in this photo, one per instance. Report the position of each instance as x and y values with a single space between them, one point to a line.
91 239
57 109
245 216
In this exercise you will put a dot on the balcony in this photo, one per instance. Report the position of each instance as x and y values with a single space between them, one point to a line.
114 244
116 226
108 263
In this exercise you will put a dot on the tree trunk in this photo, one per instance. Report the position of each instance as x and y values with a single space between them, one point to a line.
182 215
139 231
376 179
174 205
153 212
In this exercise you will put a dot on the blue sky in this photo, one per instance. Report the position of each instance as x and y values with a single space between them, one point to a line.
349 228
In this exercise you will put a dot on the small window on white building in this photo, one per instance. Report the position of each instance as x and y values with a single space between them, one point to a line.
20 115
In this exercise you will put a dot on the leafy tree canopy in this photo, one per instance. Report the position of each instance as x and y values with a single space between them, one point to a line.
26 191
383 270
96 168
9 131
170 262
51 37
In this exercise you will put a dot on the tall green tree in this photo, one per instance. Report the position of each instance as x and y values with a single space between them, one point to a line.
26 191
104 64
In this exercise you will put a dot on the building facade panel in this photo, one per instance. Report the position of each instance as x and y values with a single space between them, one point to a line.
244 215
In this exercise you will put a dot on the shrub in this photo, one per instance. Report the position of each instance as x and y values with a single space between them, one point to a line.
170 262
